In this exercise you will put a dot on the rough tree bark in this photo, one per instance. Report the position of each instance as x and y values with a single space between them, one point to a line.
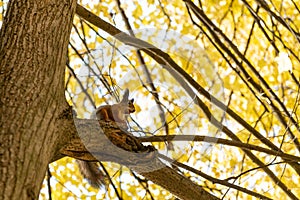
36 124
34 39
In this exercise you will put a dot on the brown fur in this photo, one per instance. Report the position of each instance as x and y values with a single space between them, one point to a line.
116 112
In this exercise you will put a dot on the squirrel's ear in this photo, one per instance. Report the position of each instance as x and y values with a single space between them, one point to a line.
131 100
125 96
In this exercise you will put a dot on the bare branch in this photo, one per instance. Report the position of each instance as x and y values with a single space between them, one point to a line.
214 140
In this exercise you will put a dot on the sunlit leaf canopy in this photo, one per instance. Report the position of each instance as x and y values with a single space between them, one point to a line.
243 53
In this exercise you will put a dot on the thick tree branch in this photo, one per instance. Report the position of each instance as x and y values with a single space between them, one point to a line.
108 142
151 167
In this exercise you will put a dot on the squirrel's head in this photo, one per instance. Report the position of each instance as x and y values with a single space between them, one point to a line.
131 107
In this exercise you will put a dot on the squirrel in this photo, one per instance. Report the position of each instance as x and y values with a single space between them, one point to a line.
116 113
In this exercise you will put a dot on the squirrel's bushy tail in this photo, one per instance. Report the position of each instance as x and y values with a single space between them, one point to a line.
91 172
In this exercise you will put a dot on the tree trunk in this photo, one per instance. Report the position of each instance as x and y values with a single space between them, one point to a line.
33 52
